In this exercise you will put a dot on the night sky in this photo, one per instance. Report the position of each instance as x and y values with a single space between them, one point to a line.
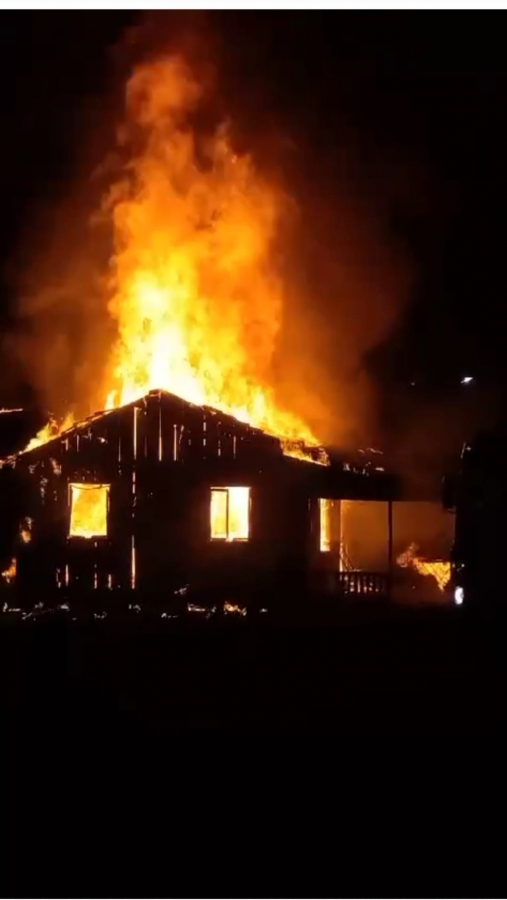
412 103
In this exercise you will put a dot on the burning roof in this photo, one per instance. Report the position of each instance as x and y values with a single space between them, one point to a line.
55 431
206 431
194 286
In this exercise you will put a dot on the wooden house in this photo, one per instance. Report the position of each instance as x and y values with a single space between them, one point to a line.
160 494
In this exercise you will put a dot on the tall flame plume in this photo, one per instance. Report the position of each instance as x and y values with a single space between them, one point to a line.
193 288
196 297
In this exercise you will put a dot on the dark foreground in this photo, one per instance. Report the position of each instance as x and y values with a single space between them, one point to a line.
147 757
364 670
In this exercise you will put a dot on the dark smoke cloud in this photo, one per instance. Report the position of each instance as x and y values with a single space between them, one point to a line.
426 436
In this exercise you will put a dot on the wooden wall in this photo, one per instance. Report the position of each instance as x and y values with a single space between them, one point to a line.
160 457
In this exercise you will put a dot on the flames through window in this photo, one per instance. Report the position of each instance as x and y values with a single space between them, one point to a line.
88 510
230 513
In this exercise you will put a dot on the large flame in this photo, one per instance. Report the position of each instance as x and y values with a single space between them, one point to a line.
51 430
197 298
195 292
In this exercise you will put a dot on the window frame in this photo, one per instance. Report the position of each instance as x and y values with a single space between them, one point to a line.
226 489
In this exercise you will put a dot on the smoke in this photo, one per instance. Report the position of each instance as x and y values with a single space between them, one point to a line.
427 436
60 331
61 334
348 284
345 276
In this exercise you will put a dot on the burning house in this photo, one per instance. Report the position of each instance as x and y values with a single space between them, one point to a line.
161 493
201 471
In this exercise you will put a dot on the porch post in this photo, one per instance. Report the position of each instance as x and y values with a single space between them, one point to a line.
390 541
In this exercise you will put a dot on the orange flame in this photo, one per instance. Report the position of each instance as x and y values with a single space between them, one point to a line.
230 513
439 569
195 293
50 431
25 530
10 574
88 510
197 299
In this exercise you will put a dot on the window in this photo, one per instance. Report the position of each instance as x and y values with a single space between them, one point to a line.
230 514
88 510
325 507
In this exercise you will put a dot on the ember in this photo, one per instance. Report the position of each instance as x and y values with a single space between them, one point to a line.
233 609
25 531
10 574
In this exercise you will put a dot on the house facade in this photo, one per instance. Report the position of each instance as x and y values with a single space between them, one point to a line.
161 493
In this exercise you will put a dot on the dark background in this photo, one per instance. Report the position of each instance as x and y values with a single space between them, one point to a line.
424 99
418 101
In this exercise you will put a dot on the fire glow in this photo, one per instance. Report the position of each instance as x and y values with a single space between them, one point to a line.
25 530
230 513
325 525
439 569
88 510
9 575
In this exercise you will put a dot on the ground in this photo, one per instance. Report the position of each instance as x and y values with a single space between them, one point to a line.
127 743
366 670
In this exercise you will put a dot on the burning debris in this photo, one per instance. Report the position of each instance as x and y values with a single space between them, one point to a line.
299 450
56 466
25 531
9 575
234 609
438 569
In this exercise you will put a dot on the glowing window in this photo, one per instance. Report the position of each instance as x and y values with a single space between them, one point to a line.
88 510
230 514
325 507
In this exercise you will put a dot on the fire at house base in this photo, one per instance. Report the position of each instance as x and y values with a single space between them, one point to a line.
160 494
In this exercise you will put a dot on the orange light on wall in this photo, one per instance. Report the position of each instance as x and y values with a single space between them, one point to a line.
230 514
325 507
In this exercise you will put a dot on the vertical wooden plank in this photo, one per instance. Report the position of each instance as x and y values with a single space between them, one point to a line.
389 540
225 441
193 435
152 429
125 419
212 437
169 429
142 430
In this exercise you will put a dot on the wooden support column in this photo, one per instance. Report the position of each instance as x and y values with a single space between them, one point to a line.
390 540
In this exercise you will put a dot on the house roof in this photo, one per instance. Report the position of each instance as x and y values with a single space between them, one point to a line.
362 473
